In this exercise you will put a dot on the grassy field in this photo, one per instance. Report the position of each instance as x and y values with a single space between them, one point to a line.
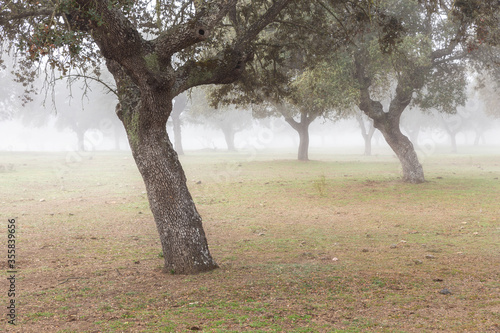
333 245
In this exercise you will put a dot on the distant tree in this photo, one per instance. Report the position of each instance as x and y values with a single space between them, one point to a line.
299 117
82 108
287 81
417 47
488 91
470 117
323 91
367 130
180 104
414 121
229 119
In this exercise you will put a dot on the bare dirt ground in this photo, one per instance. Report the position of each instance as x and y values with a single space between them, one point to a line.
339 245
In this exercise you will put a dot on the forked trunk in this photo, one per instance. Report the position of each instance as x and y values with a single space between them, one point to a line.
302 128
388 122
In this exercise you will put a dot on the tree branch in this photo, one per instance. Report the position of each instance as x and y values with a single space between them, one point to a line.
228 65
192 32
6 17
252 32
78 76
224 68
373 109
454 42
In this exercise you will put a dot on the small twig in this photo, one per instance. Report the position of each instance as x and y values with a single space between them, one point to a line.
91 78
71 278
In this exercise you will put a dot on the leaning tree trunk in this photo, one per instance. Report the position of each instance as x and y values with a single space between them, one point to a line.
388 122
144 114
183 240
403 148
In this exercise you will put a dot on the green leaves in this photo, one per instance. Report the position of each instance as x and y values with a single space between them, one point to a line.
327 87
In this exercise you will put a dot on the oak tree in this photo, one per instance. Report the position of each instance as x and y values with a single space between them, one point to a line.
154 54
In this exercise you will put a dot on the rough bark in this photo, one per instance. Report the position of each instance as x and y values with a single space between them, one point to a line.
146 104
403 148
179 225
143 114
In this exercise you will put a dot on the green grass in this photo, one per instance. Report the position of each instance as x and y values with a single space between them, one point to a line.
333 245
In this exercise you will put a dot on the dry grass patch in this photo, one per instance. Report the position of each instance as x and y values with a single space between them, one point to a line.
332 246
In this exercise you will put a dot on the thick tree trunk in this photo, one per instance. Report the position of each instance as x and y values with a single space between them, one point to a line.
402 146
183 240
146 84
144 114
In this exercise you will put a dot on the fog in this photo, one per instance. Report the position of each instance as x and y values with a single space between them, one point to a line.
343 136
82 117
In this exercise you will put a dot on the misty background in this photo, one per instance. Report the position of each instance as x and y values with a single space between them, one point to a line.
81 117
